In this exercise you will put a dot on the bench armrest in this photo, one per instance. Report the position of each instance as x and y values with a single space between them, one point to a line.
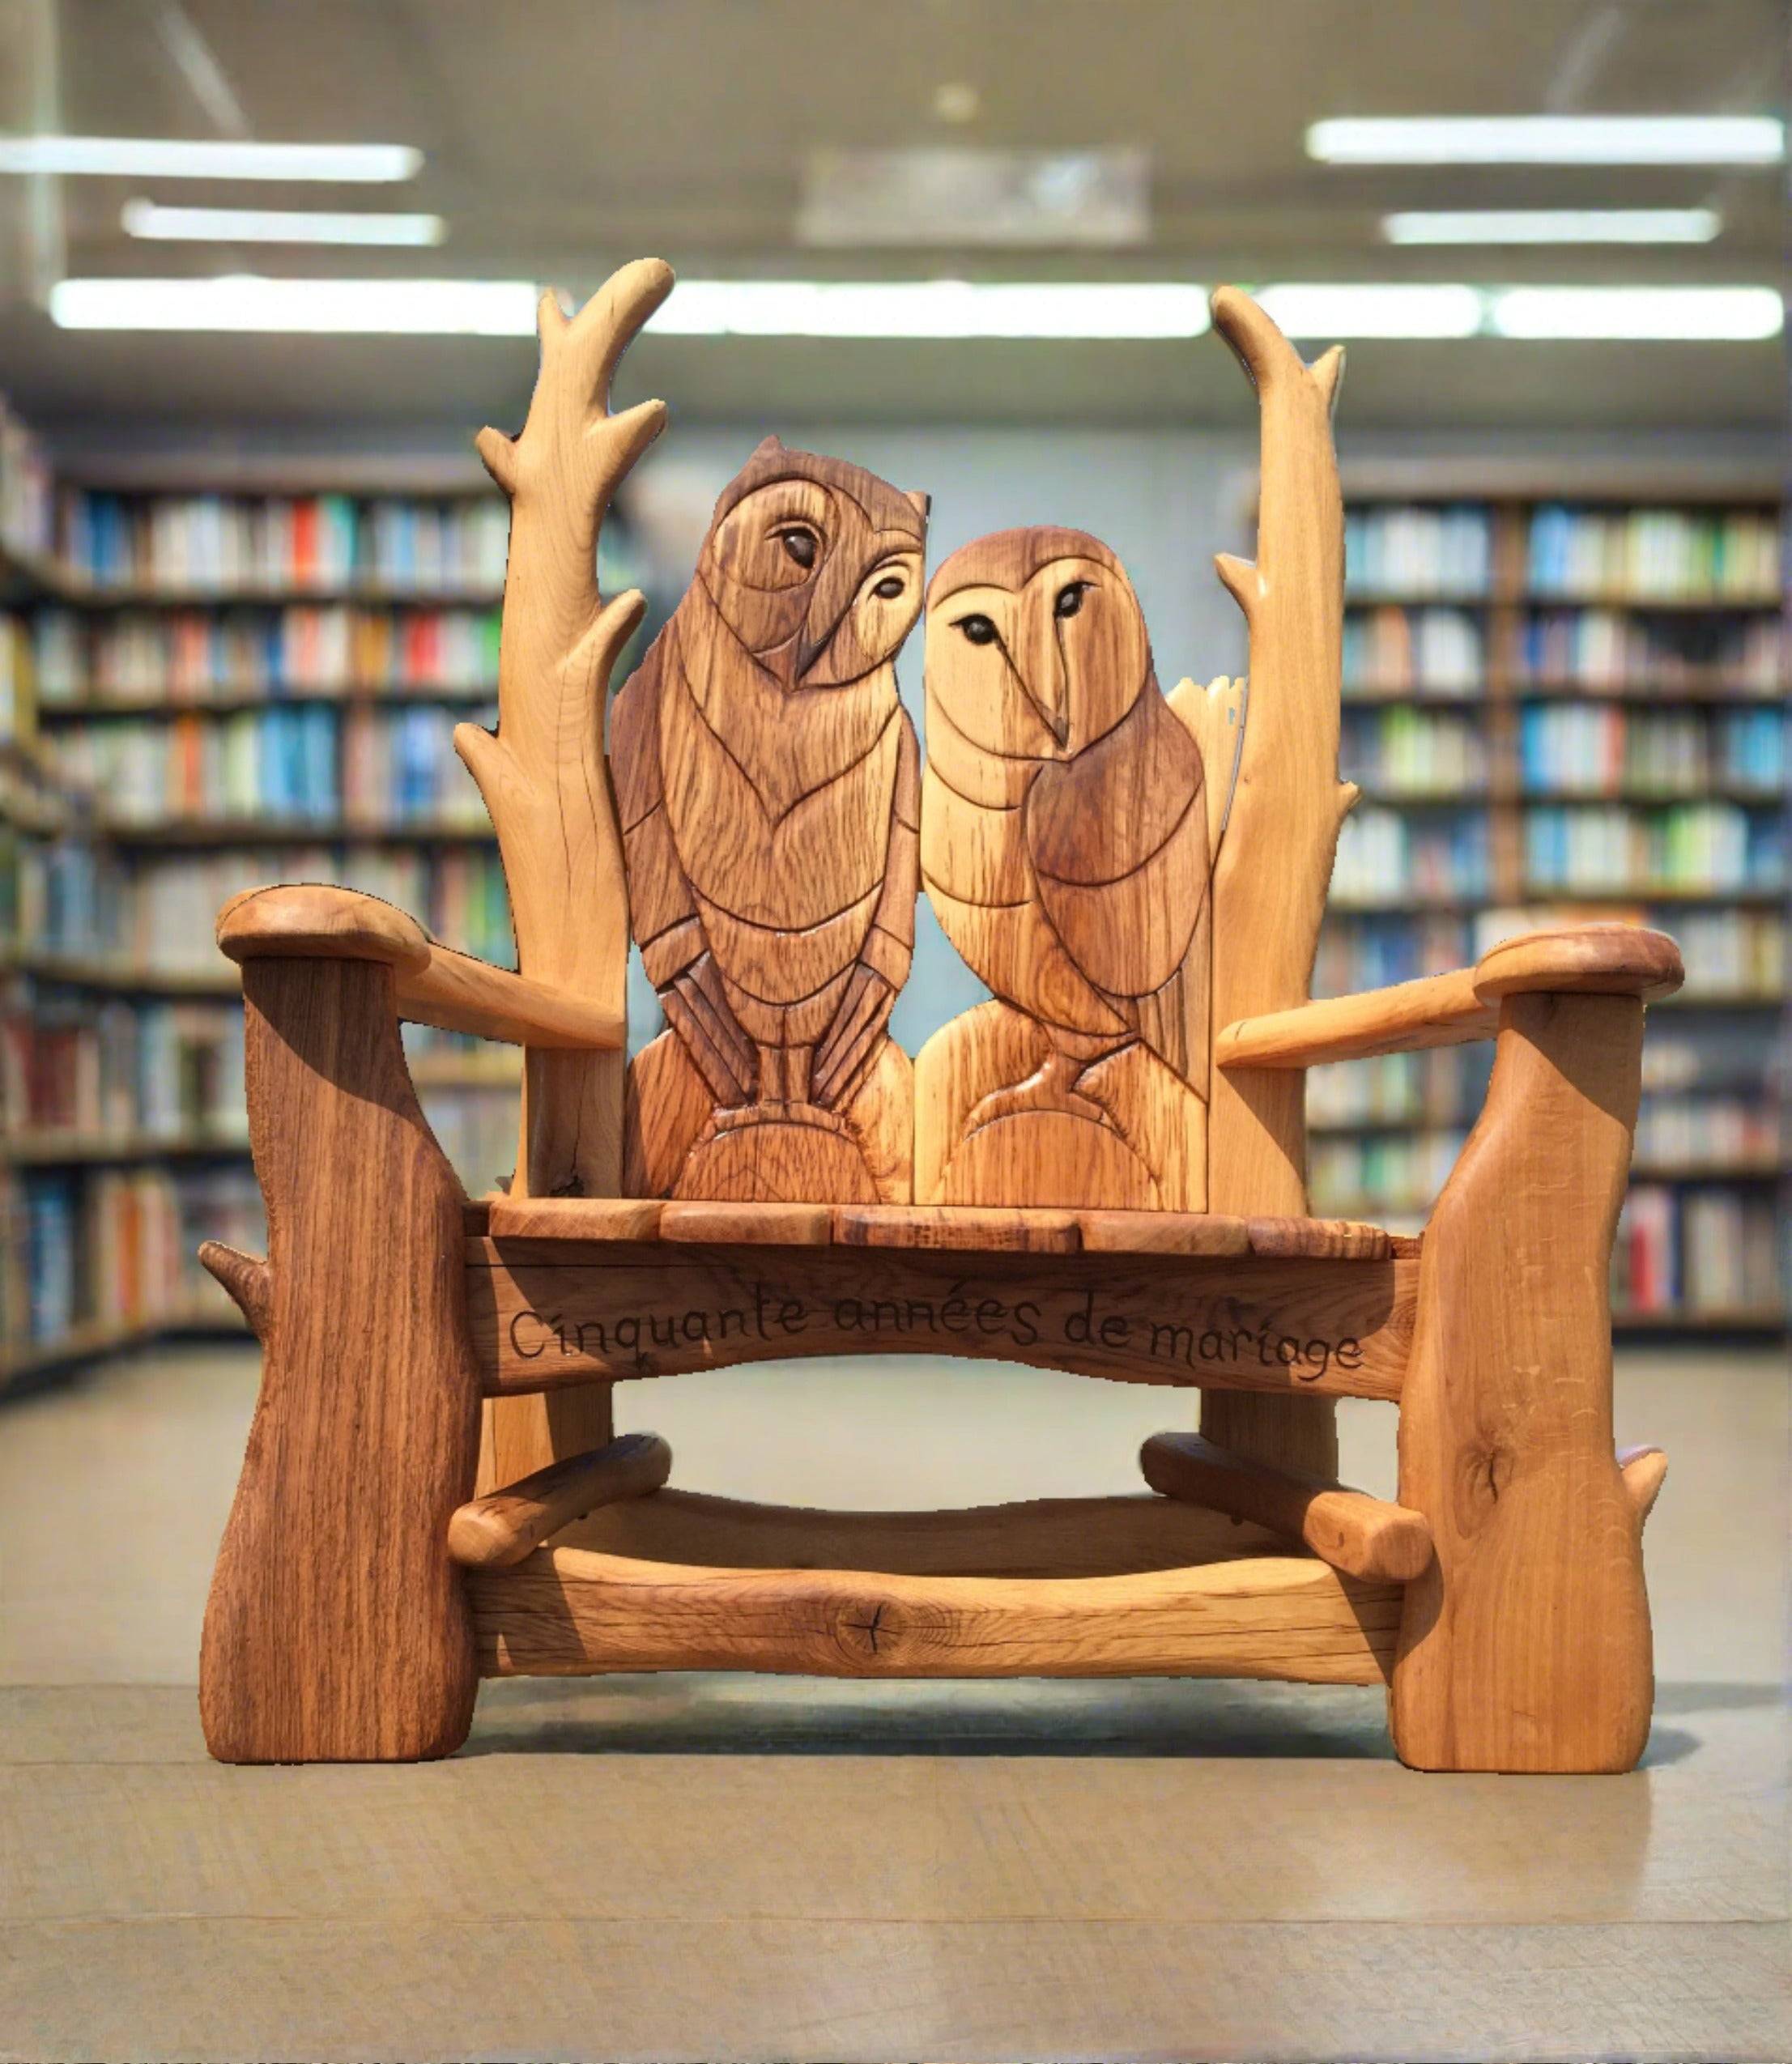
1450 1010
435 986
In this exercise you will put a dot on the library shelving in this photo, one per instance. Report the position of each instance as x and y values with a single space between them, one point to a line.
1562 703
200 692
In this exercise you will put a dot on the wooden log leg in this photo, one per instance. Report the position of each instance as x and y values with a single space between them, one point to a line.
1526 1644
571 1146
338 1628
1256 1167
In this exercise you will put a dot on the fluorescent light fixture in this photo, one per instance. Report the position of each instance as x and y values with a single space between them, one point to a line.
1549 140
150 218
1374 308
1553 226
945 309
167 157
417 307
933 308
1670 314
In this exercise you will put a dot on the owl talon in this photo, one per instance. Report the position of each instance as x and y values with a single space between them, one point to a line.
1052 1087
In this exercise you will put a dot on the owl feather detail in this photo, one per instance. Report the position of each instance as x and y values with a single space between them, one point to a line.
1064 830
768 783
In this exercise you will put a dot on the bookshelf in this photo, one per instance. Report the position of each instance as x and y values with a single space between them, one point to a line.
200 692
1572 704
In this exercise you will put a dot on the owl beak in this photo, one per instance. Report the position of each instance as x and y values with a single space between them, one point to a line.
1043 675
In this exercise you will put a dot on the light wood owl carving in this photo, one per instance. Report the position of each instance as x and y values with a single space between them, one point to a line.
767 782
1065 850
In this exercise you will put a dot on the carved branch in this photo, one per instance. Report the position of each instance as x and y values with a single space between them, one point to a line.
1281 835
543 775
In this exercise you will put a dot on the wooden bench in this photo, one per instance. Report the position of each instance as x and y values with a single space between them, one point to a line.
1101 1169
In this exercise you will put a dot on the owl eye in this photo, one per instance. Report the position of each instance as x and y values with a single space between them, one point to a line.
978 629
888 588
800 545
1069 599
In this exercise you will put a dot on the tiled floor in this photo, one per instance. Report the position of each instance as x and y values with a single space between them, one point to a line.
727 1867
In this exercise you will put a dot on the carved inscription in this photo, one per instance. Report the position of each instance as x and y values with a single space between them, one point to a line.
1333 1327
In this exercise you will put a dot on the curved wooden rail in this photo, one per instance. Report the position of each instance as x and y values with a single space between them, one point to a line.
505 1525
434 985
569 1612
1448 1010
1364 1536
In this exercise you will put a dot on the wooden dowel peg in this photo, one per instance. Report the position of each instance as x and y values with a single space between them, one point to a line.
1644 1470
502 1528
1363 1536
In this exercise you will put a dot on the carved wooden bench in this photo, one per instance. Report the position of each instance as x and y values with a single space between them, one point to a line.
1101 1169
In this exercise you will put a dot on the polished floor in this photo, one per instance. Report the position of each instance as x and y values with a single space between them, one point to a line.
723 1867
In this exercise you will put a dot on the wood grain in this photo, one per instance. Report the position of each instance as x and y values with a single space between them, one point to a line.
501 1528
768 781
1044 1537
434 985
1274 858
543 775
1525 1643
569 1611
336 1628
1445 1010
548 1313
1363 1536
572 1217
1064 849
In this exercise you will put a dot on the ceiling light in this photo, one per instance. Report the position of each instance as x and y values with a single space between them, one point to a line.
441 308
163 157
1554 226
933 308
1549 140
1685 314
1376 308
276 226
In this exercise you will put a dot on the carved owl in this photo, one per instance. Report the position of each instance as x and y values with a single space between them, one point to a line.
1064 826
767 782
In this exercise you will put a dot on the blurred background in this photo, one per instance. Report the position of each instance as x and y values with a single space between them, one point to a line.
266 268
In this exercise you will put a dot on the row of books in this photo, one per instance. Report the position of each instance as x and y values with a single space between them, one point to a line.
1395 1173
1691 848
476 1128
116 1247
1658 554
1598 648
158 915
1388 650
1583 747
1693 1251
1442 1085
1402 750
28 493
1385 854
122 1070
223 544
1728 953
1418 550
375 767
189 655
18 682
1708 1132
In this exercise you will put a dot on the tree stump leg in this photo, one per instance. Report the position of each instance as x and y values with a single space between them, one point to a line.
338 1628
1526 1644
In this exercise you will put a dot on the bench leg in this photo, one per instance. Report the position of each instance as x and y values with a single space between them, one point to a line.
338 1628
1526 1645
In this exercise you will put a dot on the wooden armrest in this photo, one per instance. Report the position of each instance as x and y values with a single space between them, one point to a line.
1449 1010
435 986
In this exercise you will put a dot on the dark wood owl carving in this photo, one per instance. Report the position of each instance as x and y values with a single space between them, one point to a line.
767 782
1065 850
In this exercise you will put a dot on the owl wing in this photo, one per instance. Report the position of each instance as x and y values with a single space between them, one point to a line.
662 910
1117 837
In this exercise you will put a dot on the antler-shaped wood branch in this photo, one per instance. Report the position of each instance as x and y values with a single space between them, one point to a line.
543 775
1280 833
